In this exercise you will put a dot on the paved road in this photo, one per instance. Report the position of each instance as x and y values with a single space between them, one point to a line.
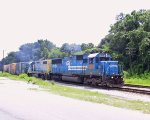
20 101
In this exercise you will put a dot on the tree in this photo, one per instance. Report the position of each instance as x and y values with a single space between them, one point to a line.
65 48
10 58
90 45
45 47
130 32
31 52
70 48
56 53
86 46
83 46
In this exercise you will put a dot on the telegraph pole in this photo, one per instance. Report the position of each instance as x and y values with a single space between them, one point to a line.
3 62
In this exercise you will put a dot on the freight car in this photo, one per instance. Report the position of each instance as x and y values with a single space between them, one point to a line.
22 67
10 68
13 68
6 68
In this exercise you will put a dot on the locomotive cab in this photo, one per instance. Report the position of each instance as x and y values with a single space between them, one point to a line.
112 73
109 72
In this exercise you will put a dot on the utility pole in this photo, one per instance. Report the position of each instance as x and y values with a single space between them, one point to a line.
3 62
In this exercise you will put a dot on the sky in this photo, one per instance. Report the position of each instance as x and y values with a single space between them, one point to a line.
60 21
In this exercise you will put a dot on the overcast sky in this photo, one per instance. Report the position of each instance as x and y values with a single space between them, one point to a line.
60 21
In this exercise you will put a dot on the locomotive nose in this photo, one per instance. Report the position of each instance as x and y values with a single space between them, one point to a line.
113 69
110 67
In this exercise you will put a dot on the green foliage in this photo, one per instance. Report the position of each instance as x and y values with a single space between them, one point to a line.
30 51
10 58
23 76
79 53
4 74
86 46
93 50
56 53
129 41
70 49
126 74
142 79
45 47
135 79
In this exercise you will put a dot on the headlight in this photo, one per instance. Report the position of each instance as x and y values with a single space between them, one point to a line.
112 77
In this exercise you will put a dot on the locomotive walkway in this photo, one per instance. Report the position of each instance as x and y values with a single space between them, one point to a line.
22 101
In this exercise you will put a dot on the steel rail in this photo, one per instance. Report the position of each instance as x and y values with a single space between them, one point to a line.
138 86
131 89
134 90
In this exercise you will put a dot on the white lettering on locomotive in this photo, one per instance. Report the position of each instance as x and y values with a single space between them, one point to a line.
77 67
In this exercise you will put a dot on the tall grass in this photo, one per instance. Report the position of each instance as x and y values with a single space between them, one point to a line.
142 79
25 77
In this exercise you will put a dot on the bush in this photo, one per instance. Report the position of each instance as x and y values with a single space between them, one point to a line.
4 74
23 76
126 74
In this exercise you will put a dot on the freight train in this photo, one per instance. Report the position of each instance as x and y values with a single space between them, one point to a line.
97 69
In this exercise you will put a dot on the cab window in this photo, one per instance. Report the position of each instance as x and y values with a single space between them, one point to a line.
91 60
44 62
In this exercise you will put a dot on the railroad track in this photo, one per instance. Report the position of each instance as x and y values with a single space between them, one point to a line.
134 90
145 90
138 86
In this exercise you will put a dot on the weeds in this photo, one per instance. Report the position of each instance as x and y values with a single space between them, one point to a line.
142 79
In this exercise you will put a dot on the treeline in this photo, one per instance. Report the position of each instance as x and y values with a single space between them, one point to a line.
44 49
128 41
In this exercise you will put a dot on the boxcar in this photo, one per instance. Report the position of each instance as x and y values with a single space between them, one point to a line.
6 68
22 67
12 69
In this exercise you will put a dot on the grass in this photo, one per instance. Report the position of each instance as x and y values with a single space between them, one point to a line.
143 79
137 81
83 94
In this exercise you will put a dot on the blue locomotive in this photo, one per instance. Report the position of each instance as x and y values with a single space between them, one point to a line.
94 69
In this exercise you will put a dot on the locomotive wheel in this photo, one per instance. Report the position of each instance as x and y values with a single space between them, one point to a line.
43 77
86 81
60 78
46 77
94 82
